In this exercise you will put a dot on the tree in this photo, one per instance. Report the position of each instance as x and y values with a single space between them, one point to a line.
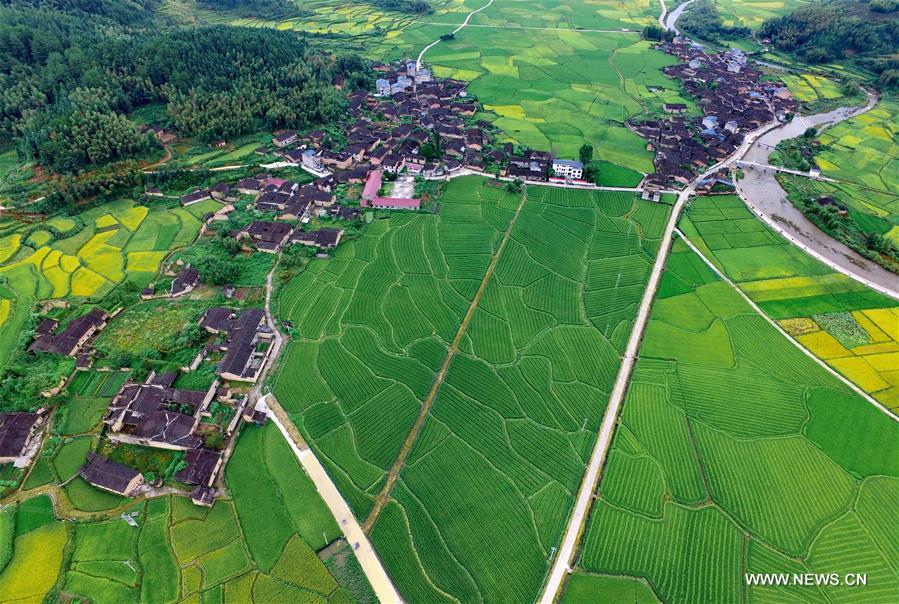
586 153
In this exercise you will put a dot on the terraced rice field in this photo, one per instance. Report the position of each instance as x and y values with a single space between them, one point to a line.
84 256
375 323
803 294
752 13
727 462
865 150
504 444
179 551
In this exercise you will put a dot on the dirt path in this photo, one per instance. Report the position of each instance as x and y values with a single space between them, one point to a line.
384 496
454 32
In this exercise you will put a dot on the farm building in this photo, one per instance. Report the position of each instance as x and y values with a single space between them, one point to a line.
17 431
111 476
72 338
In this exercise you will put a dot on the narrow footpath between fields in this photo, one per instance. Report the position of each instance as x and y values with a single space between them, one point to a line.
384 496
776 326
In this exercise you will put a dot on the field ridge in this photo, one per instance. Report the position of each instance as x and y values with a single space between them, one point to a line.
384 496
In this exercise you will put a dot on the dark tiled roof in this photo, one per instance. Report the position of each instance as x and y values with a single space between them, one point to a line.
15 428
186 280
201 467
169 427
102 472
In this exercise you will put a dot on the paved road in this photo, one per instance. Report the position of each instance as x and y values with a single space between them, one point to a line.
760 191
365 553
576 522
454 32
774 323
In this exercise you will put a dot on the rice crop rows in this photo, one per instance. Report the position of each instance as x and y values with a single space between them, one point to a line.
730 465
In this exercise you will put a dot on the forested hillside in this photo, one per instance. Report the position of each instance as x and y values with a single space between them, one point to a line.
71 71
836 30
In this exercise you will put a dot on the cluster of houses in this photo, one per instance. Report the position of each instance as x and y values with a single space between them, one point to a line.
408 110
156 413
73 340
733 99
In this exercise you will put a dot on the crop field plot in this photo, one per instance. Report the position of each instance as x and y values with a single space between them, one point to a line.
813 304
728 462
503 448
374 324
107 245
181 552
556 89
865 149
751 13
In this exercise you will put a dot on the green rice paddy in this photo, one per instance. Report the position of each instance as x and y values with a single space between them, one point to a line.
179 551
514 421
801 293
724 464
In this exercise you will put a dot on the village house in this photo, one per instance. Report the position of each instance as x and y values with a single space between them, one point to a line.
156 414
111 476
17 432
73 338
196 196
677 108
247 342
282 139
185 282
322 238
568 169
202 466
266 236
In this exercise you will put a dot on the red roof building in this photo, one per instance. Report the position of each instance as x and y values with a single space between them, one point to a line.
370 197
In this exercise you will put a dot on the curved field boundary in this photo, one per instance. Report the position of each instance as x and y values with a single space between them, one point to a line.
781 330
454 32
384 496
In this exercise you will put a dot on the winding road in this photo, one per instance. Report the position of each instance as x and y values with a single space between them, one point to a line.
454 32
